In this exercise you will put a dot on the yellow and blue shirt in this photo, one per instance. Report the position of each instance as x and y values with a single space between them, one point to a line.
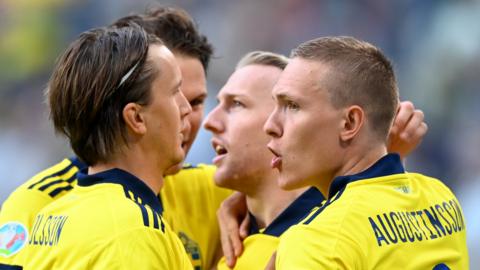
381 218
19 210
260 244
190 199
110 220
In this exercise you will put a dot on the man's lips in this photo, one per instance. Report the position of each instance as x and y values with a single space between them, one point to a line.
185 133
220 150
276 163
183 140
276 160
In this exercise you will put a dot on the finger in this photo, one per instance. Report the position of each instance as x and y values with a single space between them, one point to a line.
245 227
229 258
236 243
271 262
233 234
227 246
230 214
420 132
404 113
411 131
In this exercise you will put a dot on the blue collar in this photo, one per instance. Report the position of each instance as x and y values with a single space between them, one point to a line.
77 162
125 179
291 215
387 165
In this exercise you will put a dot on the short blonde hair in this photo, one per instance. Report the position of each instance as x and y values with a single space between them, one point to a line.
263 58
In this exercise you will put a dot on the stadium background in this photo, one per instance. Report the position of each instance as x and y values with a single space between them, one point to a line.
434 44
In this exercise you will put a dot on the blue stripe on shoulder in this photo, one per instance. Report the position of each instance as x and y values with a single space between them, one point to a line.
329 201
291 215
10 267
57 191
144 215
126 193
63 171
158 220
155 220
42 188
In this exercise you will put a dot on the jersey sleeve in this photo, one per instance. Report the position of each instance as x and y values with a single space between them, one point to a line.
142 248
20 209
22 205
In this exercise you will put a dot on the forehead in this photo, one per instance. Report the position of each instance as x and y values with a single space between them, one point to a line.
251 80
165 63
190 67
302 75
193 75
161 54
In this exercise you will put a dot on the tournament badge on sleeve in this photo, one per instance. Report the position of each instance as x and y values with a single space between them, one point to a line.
13 237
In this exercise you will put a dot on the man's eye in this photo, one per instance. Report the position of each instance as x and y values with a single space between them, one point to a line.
292 105
197 102
236 103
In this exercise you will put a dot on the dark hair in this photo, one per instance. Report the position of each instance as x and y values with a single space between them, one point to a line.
100 72
263 58
359 74
176 28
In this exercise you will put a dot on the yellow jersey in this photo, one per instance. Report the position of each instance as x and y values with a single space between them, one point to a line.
111 220
18 211
381 218
260 244
190 200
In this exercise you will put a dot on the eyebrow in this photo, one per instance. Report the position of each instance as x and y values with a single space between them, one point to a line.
202 95
229 96
281 96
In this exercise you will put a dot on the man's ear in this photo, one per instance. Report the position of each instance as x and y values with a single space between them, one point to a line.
134 119
353 120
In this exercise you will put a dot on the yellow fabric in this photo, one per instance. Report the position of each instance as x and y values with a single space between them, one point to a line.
353 231
99 227
190 201
258 249
259 246
25 202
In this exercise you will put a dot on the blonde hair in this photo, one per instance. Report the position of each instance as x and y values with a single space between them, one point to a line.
263 58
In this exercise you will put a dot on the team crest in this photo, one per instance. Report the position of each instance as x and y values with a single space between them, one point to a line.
192 249
13 237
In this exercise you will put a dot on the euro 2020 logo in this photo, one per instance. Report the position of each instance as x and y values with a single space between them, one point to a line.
13 237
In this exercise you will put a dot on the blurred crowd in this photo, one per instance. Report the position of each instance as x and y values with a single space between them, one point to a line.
434 44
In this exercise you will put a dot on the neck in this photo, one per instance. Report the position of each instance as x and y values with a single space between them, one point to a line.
136 164
355 161
269 200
